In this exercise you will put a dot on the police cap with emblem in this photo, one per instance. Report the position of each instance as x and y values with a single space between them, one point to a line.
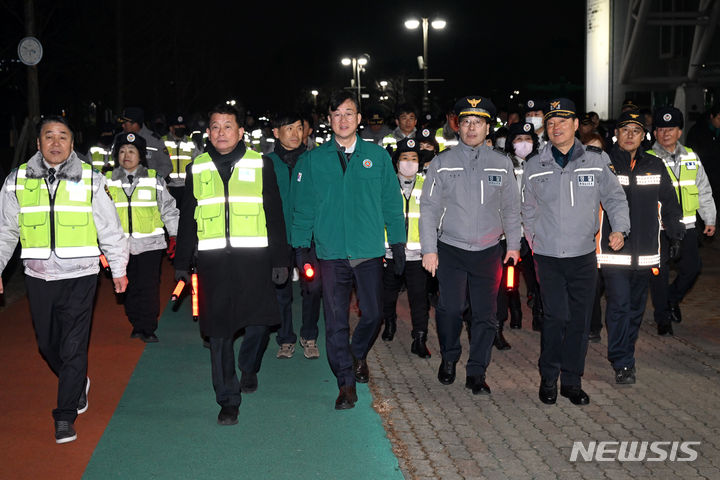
407 145
630 117
176 118
132 114
560 107
475 105
533 105
521 128
129 139
668 117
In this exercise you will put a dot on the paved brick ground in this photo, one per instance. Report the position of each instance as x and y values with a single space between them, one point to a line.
444 432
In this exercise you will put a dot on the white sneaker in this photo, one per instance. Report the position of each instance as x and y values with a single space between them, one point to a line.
310 348
286 350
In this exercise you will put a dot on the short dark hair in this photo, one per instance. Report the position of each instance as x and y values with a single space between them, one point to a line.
339 97
225 109
405 108
286 118
45 119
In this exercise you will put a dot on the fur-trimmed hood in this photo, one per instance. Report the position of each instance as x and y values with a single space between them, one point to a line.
70 169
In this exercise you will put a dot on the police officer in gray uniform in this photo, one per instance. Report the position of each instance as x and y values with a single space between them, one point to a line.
158 158
469 199
563 186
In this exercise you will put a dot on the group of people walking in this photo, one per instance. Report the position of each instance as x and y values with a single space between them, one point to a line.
347 216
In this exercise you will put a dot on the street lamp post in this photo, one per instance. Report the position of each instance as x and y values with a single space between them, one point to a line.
358 66
436 24
314 94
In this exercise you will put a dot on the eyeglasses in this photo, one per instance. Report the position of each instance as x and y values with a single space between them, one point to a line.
345 115
475 122
630 132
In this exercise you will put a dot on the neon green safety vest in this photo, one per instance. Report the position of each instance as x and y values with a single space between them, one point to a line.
241 206
101 157
63 224
180 155
139 213
685 187
411 210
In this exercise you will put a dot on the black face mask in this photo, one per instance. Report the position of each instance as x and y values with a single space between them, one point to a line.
426 156
180 132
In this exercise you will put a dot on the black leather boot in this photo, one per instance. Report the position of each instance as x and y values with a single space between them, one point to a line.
390 329
418 345
515 310
500 342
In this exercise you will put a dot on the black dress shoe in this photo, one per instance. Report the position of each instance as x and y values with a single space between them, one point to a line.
575 394
389 331
675 314
625 376
149 338
228 415
136 334
548 391
248 382
594 336
500 343
446 372
361 371
346 398
665 329
419 347
477 385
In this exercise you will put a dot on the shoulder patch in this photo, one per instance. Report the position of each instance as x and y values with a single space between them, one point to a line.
612 168
165 151
593 148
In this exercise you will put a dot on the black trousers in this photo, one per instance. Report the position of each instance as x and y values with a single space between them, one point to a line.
62 314
415 277
568 290
222 359
511 300
464 274
596 322
337 283
311 300
142 303
626 292
688 266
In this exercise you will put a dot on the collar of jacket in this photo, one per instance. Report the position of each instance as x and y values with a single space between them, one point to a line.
662 153
546 155
468 150
621 158
359 144
119 173
289 157
70 170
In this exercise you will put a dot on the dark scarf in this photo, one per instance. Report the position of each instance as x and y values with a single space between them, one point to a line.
224 163
289 156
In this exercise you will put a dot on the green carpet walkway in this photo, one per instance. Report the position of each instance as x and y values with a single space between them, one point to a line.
165 425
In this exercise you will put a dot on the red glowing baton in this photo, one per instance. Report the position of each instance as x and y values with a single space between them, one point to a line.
178 290
308 271
510 283
195 304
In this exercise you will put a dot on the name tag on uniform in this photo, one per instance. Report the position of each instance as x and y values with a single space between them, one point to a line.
495 180
691 165
144 195
76 191
623 179
587 180
246 174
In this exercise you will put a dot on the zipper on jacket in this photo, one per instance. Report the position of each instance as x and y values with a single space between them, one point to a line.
343 161
129 214
227 209
52 215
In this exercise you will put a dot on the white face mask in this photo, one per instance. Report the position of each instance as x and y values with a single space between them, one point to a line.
500 142
523 149
536 121
407 168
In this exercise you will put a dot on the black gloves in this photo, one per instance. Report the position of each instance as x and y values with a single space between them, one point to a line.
398 251
674 251
279 275
183 275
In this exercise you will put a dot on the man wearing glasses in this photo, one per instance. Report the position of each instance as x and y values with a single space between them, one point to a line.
469 200
346 196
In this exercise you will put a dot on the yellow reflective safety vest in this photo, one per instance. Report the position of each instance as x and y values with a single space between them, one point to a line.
235 216
62 224
139 213
685 187
411 210
99 157
180 155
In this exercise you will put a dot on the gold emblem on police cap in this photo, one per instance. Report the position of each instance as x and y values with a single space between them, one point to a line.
474 101
634 115
554 105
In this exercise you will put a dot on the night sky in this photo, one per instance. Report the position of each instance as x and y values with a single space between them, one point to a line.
269 55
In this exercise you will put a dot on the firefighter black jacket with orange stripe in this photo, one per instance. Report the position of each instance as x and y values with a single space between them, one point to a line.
652 200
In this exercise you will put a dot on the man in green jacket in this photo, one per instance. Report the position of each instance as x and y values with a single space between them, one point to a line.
346 195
